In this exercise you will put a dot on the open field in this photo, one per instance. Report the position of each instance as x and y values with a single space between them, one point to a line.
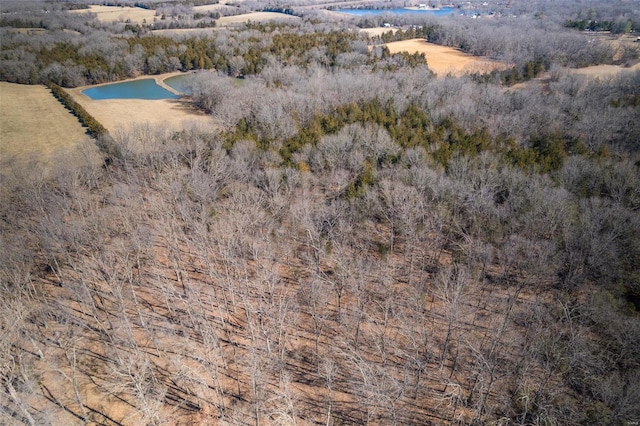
34 126
209 8
118 114
377 31
255 17
228 21
618 43
114 13
445 60
603 71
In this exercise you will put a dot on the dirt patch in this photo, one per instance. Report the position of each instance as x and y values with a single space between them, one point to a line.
136 15
121 114
34 126
445 60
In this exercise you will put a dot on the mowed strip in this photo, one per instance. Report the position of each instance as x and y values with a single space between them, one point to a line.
445 60
36 126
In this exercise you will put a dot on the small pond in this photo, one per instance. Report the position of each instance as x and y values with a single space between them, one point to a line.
398 11
179 83
137 89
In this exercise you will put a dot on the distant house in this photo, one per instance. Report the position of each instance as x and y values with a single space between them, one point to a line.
386 25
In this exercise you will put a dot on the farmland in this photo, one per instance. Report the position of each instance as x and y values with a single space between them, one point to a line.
34 126
445 60
135 15
121 114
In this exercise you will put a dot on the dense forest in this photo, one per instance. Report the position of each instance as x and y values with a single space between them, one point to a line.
360 241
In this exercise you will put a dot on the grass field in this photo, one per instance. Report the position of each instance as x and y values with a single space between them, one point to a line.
377 31
603 71
121 114
228 21
255 17
34 126
115 13
445 60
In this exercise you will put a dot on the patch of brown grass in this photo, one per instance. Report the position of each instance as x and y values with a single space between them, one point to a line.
445 60
34 126
377 31
114 13
255 17
604 71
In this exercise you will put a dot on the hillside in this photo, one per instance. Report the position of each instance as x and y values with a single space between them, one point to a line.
344 238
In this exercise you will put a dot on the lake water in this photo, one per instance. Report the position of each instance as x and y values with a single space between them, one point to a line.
399 11
137 89
178 82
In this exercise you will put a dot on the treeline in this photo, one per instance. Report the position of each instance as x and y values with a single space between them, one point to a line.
22 23
415 31
514 75
414 128
118 58
93 126
285 10
615 27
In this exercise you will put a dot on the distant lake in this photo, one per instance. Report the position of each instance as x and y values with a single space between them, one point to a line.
137 89
178 82
398 11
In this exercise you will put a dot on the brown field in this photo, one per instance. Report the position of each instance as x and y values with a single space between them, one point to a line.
603 71
34 126
445 60
377 31
618 43
596 71
121 114
255 17
209 8
114 13
228 21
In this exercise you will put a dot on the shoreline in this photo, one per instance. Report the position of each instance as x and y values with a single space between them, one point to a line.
158 78
422 8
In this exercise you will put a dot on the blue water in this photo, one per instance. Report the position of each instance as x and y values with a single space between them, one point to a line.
137 89
399 11
178 82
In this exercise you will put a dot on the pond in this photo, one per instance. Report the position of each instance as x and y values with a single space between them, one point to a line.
179 83
137 89
398 11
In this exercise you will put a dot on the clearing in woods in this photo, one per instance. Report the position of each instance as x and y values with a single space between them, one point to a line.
136 15
35 126
122 114
229 21
445 60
